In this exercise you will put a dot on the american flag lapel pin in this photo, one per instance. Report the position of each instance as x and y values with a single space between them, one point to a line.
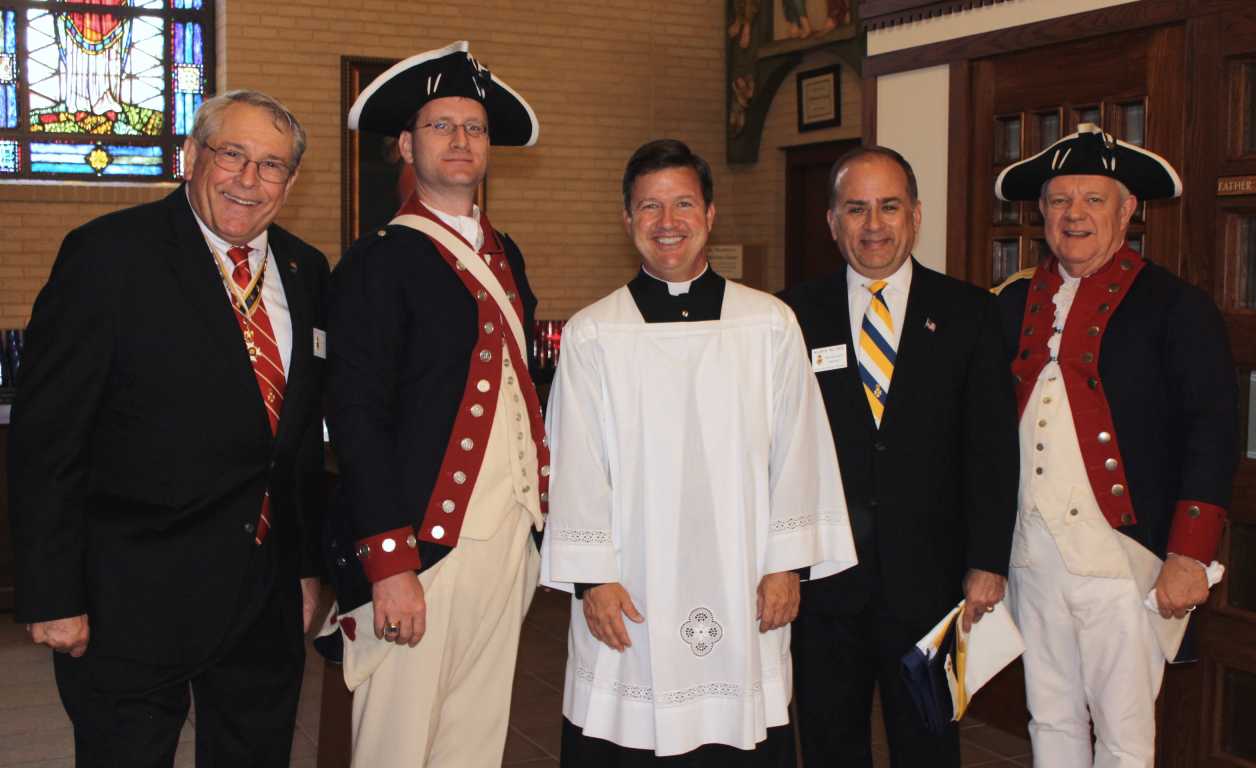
930 325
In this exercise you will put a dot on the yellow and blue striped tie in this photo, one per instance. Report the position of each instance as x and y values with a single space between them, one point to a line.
876 351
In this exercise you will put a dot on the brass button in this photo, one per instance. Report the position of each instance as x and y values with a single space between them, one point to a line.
1118 490
466 444
488 328
485 356
510 295
1104 438
1039 286
1092 382
1042 422
460 477
1104 307
364 551
1038 471
1114 287
1092 330
1088 357
388 545
1073 512
1040 446
481 295
684 313
1033 309
1110 465
1127 519
1046 401
1192 511
1127 265
458 266
545 471
438 532
483 385
447 506
544 497
412 542
1017 376
1029 331
381 232
477 410
1024 355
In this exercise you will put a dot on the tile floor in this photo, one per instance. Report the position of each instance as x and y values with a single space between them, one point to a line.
34 731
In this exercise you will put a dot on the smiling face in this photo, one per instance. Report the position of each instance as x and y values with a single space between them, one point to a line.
238 205
874 220
448 169
1085 218
669 223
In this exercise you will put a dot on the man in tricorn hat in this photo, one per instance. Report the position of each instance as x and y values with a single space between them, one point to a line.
436 425
1127 410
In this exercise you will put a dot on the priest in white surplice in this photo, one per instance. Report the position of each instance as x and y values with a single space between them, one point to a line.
693 475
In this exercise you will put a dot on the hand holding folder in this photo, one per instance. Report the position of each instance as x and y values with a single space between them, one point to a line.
947 666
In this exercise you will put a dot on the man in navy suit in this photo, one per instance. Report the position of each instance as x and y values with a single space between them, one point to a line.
166 456
921 405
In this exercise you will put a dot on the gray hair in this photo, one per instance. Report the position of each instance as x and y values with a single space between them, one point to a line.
209 118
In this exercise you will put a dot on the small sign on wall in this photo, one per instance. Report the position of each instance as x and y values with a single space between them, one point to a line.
728 261
819 98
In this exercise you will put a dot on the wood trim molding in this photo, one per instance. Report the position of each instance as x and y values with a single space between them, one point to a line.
868 126
881 14
958 165
1104 21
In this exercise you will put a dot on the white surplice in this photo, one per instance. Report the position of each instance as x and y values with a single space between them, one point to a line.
689 459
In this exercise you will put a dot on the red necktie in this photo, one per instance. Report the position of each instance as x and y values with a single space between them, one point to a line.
259 340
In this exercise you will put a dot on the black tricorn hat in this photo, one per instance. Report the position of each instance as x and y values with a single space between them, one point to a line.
1090 152
388 103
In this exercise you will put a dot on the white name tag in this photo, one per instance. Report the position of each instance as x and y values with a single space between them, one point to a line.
828 358
320 343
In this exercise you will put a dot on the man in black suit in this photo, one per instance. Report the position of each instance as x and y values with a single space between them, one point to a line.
166 456
920 401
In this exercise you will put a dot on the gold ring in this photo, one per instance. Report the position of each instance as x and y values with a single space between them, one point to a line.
391 629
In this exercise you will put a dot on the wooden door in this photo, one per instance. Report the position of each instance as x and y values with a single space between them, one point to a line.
1223 227
809 248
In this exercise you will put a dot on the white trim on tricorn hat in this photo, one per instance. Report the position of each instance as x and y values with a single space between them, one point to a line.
390 100
1090 152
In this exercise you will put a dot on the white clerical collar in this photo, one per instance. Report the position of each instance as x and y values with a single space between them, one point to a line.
899 282
220 246
678 288
467 226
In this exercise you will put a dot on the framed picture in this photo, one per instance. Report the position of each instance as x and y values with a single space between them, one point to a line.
819 98
374 180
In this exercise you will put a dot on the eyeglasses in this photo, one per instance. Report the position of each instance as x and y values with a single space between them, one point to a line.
447 128
236 161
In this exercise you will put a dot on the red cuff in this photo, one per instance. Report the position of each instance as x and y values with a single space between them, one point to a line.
1196 530
389 553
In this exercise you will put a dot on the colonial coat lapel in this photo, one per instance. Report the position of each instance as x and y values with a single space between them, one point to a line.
302 355
192 263
912 358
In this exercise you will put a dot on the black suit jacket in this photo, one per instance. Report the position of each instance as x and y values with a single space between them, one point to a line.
933 491
140 448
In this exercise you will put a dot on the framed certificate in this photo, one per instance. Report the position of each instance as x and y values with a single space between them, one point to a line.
819 98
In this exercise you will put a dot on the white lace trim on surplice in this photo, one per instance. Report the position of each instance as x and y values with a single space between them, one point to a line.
580 535
644 693
806 521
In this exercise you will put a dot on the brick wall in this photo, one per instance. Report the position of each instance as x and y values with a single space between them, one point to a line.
603 78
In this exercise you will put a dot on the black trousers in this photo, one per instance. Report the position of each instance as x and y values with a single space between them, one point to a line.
128 714
838 661
580 751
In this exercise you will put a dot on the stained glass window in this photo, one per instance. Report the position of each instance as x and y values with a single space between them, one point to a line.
101 89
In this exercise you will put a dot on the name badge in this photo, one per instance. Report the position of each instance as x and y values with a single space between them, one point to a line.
320 343
828 358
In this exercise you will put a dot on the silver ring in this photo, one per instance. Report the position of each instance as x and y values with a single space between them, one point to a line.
391 629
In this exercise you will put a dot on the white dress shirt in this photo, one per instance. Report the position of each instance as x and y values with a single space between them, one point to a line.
895 293
272 285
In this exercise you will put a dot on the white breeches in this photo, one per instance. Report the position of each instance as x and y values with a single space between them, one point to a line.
1090 652
446 702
